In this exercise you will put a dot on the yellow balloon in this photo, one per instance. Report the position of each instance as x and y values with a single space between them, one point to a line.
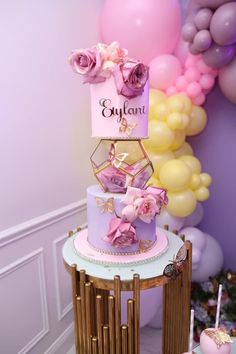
161 111
178 140
158 159
205 179
185 149
185 121
160 136
198 121
187 103
195 181
155 98
175 104
175 175
181 204
202 194
192 162
155 182
174 120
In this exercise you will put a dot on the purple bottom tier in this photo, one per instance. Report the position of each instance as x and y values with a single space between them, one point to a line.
101 209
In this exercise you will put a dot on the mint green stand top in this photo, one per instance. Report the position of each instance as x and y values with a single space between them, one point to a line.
148 270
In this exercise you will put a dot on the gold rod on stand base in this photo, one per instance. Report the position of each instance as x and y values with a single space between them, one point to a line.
82 275
99 322
111 322
130 316
117 293
88 316
79 325
124 335
105 340
136 312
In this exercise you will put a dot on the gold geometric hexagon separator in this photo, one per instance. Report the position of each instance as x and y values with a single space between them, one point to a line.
118 164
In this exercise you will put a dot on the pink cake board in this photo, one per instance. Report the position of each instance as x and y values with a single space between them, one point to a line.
85 250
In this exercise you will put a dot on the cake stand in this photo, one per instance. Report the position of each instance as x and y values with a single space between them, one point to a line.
97 313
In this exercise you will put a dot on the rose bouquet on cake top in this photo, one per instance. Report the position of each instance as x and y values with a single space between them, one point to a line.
143 204
99 62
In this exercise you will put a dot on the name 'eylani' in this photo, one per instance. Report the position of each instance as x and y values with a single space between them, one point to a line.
108 111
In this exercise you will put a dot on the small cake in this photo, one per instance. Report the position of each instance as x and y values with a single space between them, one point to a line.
119 91
215 341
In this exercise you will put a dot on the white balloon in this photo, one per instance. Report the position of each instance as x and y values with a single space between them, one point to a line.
174 222
211 261
150 301
156 322
196 256
196 236
196 217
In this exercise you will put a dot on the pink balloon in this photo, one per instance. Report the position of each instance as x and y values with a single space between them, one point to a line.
181 50
227 81
200 99
145 28
191 60
192 75
207 81
164 71
172 90
203 67
181 83
193 89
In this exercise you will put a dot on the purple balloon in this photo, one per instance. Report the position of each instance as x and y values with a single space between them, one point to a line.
203 19
223 24
217 56
213 4
202 41
193 49
189 30
227 81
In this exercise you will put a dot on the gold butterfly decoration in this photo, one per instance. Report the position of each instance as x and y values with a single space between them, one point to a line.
144 245
105 206
127 128
116 160
219 336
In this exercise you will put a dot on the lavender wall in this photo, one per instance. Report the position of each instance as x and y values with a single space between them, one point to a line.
216 148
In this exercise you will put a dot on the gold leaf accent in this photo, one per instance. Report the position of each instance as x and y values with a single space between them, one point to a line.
105 206
144 245
219 336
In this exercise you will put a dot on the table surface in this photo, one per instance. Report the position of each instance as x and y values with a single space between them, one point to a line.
148 270
197 350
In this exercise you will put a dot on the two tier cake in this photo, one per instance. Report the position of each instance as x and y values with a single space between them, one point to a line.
122 209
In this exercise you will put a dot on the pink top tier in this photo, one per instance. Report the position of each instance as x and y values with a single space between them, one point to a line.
116 116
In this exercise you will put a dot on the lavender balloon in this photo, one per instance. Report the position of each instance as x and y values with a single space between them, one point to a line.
202 41
202 19
218 56
227 81
213 4
196 217
189 31
196 236
223 24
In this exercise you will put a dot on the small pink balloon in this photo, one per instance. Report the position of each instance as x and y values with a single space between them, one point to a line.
191 61
193 89
145 28
181 50
164 70
192 75
189 31
181 83
203 67
172 90
202 19
207 81
202 41
200 99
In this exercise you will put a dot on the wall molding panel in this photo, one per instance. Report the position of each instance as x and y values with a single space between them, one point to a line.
36 256
31 226
57 344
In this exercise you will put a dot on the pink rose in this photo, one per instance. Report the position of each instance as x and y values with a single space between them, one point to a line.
121 233
147 208
130 78
112 52
159 194
88 62
113 180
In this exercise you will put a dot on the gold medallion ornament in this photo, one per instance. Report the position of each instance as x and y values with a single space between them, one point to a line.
219 336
